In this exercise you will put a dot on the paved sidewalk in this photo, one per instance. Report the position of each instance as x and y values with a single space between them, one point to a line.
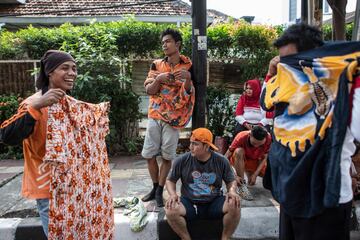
130 177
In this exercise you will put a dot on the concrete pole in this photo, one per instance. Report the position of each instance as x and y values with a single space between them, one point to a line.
356 30
304 11
312 12
318 13
199 59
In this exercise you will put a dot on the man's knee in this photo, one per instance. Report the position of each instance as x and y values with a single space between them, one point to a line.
239 154
231 208
151 160
172 213
166 161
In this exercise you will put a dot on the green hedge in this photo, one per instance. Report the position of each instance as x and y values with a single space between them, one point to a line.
134 39
8 106
327 31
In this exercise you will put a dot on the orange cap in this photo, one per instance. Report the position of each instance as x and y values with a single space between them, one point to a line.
203 135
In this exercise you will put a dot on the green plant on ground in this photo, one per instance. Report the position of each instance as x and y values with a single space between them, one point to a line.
220 113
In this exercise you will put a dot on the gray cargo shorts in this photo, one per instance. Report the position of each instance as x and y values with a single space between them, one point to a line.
160 138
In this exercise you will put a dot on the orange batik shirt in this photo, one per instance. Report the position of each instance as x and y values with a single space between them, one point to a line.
80 185
172 103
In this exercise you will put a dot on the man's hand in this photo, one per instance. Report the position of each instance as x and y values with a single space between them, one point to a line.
252 179
233 198
163 77
49 98
273 66
172 201
182 74
239 180
248 126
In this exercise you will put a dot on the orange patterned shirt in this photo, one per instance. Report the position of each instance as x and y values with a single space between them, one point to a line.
81 204
172 103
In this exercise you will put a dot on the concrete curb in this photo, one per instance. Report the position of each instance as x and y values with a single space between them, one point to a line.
255 223
8 228
258 223
30 229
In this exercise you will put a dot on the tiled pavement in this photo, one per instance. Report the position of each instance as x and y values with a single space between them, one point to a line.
10 169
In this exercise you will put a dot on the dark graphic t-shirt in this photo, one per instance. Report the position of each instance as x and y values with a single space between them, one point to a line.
201 182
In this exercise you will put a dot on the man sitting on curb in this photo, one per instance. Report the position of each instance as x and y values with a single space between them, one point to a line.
202 171
247 154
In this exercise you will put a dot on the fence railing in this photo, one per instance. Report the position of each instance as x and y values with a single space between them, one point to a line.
16 76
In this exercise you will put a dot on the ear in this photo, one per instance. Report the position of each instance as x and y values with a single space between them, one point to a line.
207 147
178 44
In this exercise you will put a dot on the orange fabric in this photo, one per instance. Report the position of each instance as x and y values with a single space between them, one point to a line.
81 204
35 183
252 165
172 104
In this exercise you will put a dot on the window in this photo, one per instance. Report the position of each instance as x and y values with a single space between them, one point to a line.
292 10
326 7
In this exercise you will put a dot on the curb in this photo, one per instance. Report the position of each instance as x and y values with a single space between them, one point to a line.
8 228
255 223
30 229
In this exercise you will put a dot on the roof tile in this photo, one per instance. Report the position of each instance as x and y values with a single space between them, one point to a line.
58 8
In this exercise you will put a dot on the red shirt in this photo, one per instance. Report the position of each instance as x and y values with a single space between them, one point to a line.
242 140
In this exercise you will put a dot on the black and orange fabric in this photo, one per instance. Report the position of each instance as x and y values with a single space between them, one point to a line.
310 94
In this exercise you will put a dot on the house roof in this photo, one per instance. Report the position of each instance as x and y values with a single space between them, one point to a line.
76 8
56 12
219 17
349 18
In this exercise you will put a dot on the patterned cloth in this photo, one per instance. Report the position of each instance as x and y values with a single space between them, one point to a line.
310 94
81 204
172 104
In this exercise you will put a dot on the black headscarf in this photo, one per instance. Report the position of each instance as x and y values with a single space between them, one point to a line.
49 62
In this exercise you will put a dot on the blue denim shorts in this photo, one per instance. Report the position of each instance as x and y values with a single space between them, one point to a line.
211 210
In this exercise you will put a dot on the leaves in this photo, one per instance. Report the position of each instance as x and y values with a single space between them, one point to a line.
8 107
220 113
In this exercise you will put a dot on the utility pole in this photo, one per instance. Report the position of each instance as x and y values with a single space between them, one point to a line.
304 11
312 12
317 14
356 30
199 59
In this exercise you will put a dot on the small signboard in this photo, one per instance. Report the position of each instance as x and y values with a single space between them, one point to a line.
202 43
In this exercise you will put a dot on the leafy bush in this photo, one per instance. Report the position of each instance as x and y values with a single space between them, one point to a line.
219 112
103 77
134 39
8 107
327 31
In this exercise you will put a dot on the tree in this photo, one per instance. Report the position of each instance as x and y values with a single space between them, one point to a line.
338 20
